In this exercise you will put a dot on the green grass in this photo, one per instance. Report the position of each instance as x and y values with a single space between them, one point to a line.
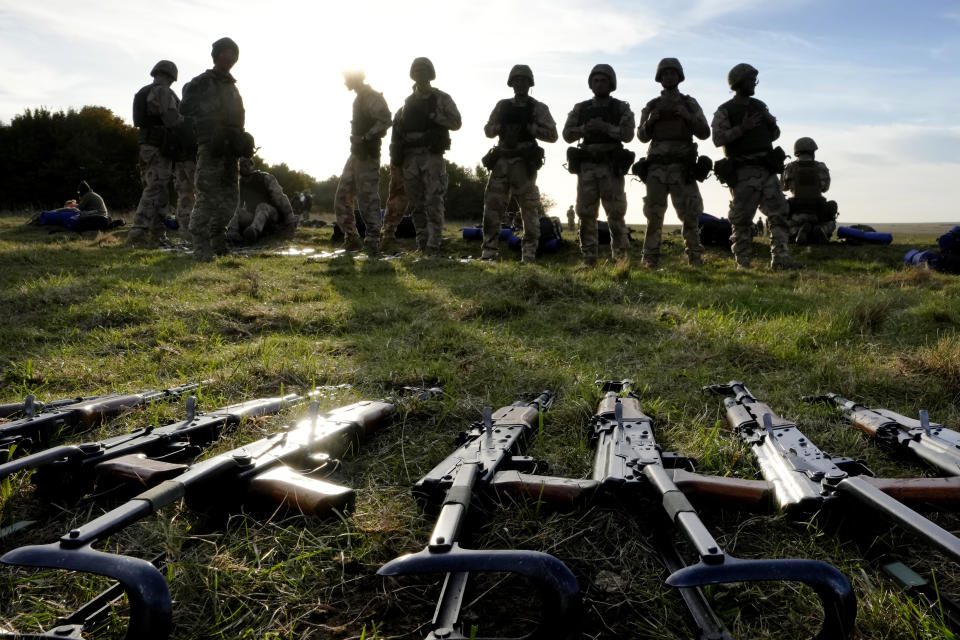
85 315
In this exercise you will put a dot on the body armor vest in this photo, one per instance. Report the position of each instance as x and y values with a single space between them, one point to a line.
211 118
359 126
807 180
150 125
669 126
254 191
416 119
609 113
757 140
515 120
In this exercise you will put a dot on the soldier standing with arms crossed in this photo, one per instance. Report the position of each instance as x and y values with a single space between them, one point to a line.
156 114
421 134
519 121
358 181
746 130
669 124
600 162
214 103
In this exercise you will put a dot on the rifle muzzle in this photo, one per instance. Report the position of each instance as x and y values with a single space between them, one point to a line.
832 587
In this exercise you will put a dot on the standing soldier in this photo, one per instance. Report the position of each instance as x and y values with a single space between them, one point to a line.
156 114
669 123
214 103
519 121
358 182
396 207
571 213
812 218
422 132
600 162
264 207
746 130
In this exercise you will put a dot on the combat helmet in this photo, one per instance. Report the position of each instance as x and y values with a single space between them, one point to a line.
606 70
739 72
164 66
423 62
520 70
804 145
669 63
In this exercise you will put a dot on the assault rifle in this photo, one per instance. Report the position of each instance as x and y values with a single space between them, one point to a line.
30 406
629 465
933 443
486 449
276 468
19 435
142 457
807 479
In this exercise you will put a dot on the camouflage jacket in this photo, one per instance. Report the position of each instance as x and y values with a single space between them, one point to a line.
92 202
725 132
573 130
790 177
213 101
261 187
696 125
544 126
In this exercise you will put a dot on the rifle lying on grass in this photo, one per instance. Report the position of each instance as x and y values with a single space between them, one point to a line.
629 465
142 457
807 479
488 448
31 407
19 435
932 443
276 468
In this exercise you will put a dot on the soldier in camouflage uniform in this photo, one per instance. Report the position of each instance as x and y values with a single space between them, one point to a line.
184 171
156 114
214 103
90 201
421 134
669 124
746 130
360 176
604 124
812 218
264 207
519 122
395 209
571 213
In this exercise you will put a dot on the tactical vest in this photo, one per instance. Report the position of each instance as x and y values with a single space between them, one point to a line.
756 140
359 126
150 125
609 113
416 119
806 180
213 100
669 126
515 121
254 191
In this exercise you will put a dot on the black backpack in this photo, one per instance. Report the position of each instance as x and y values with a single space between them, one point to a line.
714 231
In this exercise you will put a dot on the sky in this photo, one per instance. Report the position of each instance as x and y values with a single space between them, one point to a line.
875 83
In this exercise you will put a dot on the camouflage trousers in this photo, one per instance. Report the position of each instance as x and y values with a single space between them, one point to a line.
247 227
358 185
218 191
687 202
808 228
598 183
156 172
396 202
425 183
183 175
757 187
510 178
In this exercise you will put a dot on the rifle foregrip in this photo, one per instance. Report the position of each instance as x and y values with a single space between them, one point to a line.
756 495
284 486
549 489
137 469
915 492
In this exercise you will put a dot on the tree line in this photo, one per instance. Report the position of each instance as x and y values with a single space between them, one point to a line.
47 153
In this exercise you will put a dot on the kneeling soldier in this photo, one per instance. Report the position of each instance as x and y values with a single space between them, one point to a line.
812 217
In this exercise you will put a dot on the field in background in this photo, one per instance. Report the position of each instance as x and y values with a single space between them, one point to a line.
85 316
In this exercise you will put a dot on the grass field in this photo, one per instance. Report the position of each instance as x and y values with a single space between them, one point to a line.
85 316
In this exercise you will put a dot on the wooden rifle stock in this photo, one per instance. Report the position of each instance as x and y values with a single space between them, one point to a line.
555 491
283 486
139 470
755 495
942 492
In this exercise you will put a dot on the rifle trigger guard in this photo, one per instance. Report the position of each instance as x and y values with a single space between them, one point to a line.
147 591
557 583
832 587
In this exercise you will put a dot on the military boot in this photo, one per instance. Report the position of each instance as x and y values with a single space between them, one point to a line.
371 248
784 261
353 242
694 260
389 244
